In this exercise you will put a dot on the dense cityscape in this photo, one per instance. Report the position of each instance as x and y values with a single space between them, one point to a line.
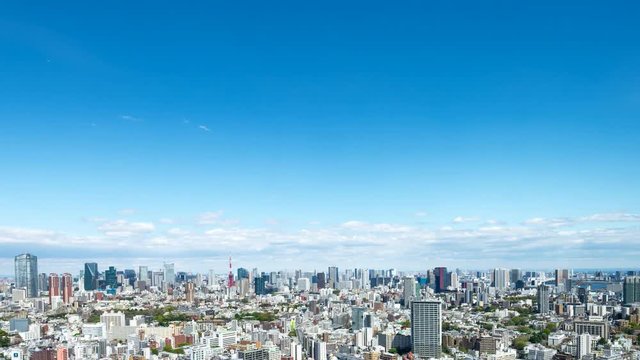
320 180
346 314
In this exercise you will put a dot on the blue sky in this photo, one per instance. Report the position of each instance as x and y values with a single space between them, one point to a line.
310 133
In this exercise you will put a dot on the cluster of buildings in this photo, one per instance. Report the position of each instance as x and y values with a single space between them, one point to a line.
346 314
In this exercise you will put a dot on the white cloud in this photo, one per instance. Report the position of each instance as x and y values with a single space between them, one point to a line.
612 217
204 128
533 242
19 235
462 219
124 228
550 222
210 217
127 212
354 224
178 232
130 118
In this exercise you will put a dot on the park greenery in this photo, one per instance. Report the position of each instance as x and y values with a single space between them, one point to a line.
260 316
4 339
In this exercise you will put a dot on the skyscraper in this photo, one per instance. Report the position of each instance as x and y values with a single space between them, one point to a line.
631 289
562 275
543 294
90 276
501 279
26 272
440 274
515 275
322 280
190 291
357 318
333 275
54 287
583 295
169 274
243 273
426 328
43 282
110 277
583 345
143 274
67 288
409 291
259 285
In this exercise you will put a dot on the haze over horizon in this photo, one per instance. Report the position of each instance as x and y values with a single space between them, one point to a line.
292 135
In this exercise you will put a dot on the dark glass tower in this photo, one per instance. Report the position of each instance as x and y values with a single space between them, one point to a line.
26 266
90 276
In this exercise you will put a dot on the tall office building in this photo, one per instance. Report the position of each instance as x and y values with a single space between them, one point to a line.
143 274
157 278
583 295
501 279
190 291
334 276
426 328
243 273
515 275
583 347
631 289
26 272
440 275
562 275
322 280
169 275
357 318
542 296
54 287
110 277
43 282
90 276
67 288
259 285
409 291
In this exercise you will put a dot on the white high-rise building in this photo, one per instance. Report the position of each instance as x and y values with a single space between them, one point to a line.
426 328
583 342
296 351
304 284
320 350
143 274
169 274
501 279
112 319
409 291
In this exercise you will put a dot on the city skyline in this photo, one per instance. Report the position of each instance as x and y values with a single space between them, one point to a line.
418 135
150 264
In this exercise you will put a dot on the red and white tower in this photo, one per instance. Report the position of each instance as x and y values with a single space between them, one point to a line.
231 282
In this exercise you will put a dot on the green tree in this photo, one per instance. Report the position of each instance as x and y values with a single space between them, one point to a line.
537 337
5 341
520 342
